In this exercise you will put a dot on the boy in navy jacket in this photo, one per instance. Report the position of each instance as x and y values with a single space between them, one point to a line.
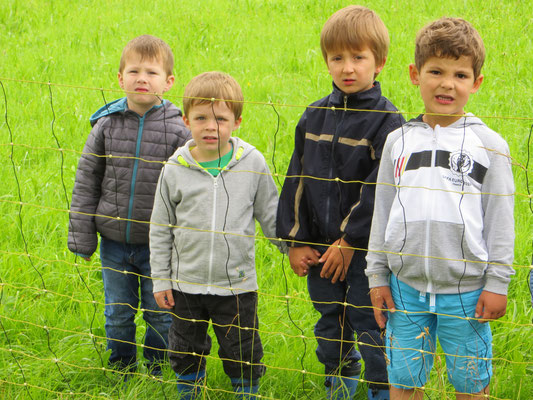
326 204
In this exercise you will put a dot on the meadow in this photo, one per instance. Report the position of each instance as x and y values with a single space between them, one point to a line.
59 62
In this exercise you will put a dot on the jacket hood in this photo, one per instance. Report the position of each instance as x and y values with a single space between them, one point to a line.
183 156
121 106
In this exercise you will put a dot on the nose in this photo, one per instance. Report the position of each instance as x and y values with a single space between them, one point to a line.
212 124
142 77
348 66
446 82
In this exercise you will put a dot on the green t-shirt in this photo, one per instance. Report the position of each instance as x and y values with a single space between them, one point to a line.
214 167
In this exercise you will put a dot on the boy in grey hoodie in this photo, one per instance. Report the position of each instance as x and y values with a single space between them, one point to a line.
441 243
202 239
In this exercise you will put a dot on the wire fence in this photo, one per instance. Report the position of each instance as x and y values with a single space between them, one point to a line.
51 302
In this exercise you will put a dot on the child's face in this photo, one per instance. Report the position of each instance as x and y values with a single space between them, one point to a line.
141 77
211 125
353 70
445 86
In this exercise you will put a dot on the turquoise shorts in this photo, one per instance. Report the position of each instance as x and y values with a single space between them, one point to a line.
412 339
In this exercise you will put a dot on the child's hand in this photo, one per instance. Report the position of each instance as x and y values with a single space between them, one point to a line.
336 260
301 258
164 299
490 306
381 299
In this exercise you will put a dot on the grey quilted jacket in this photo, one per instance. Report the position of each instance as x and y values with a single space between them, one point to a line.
118 171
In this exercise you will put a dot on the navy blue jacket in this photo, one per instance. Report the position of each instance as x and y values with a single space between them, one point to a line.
329 189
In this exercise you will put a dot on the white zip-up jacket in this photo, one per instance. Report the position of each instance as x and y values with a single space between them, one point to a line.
443 216
189 251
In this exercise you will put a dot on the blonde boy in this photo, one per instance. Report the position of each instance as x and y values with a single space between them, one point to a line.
202 239
445 194
339 142
114 192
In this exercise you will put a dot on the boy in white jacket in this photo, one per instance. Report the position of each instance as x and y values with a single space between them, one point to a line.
202 239
441 243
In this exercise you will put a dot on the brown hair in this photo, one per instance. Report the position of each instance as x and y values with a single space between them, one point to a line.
354 27
213 85
450 38
149 47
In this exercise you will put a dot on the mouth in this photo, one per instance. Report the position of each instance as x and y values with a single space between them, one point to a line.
348 82
442 99
210 138
142 90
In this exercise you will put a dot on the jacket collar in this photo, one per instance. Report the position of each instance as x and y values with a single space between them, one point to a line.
119 106
366 99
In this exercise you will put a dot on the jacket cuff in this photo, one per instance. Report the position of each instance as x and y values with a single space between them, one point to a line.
376 280
496 286
160 285
356 243
83 255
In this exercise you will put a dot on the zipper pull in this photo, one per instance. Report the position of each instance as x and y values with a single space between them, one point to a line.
345 102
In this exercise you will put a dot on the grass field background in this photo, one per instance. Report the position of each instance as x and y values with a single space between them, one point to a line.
51 305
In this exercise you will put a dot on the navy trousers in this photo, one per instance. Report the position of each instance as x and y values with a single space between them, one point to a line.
339 322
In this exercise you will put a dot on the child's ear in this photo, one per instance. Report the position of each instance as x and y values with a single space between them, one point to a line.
477 84
237 123
414 75
186 121
379 67
170 83
120 80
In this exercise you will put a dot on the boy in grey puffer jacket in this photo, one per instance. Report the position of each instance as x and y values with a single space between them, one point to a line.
114 193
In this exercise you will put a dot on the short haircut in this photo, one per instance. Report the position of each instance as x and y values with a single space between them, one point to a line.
213 85
149 47
450 38
355 27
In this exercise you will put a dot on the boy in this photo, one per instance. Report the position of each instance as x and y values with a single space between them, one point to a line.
328 198
114 192
202 239
443 223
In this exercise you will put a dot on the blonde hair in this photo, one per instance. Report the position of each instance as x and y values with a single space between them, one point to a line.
354 27
213 85
149 47
450 38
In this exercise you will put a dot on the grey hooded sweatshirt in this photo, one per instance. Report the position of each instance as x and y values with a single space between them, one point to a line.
443 216
202 229
117 173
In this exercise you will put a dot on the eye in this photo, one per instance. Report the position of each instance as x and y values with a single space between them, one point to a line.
222 119
434 72
462 76
336 58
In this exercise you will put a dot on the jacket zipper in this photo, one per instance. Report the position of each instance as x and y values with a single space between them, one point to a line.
213 225
429 209
330 174
134 176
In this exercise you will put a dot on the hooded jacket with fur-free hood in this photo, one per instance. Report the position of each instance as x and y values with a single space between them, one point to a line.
203 227
118 171
443 218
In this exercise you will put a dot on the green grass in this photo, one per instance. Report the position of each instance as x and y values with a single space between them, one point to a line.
272 49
